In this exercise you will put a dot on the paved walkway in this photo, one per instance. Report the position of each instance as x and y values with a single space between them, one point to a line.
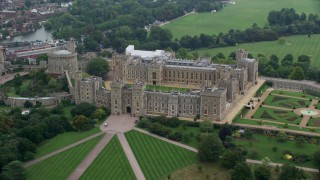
32 162
306 118
90 157
9 77
277 107
167 140
262 98
132 159
244 100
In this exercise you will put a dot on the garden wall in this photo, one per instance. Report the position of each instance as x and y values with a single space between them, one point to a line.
293 84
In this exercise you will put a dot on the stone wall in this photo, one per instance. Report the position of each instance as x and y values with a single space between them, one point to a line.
293 84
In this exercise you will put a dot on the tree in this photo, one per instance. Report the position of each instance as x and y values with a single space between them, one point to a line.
81 123
98 67
262 172
28 104
206 126
13 171
84 108
316 157
99 114
231 157
287 60
282 136
225 130
241 172
297 73
289 172
210 148
304 58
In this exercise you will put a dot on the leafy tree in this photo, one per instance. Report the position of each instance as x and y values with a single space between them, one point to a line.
289 172
84 108
297 73
81 123
287 60
225 130
13 171
206 126
210 148
241 172
304 58
282 136
160 34
98 67
99 114
28 104
262 172
231 157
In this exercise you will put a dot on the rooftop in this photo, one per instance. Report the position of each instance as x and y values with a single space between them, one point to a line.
62 52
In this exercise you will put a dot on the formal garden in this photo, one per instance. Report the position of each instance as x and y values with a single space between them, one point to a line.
277 115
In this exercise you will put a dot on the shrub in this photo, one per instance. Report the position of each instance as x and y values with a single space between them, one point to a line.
186 138
282 136
253 154
177 136
159 129
206 126
274 149
144 123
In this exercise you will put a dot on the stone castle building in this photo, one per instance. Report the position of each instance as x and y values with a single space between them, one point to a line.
219 86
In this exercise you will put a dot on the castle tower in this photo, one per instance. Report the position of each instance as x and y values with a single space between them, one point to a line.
213 103
138 106
71 46
116 97
241 54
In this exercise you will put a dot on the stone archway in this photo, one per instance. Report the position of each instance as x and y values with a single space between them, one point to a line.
129 109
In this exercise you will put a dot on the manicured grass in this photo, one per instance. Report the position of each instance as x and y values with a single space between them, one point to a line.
295 45
157 158
286 102
111 163
165 88
62 140
239 16
67 111
277 115
263 145
314 122
293 93
61 165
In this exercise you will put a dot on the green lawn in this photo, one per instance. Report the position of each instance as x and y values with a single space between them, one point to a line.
111 163
239 16
157 158
277 115
61 165
263 145
286 102
62 140
293 93
314 122
165 88
67 111
297 45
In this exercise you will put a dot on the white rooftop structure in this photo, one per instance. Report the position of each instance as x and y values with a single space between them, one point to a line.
62 52
130 51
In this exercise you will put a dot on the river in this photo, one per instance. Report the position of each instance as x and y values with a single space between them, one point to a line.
40 34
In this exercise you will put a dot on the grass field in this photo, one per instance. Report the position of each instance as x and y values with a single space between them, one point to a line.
67 111
61 165
111 163
62 140
157 158
277 115
286 102
263 145
296 46
239 16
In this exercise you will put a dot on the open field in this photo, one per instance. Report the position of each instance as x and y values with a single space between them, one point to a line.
264 146
295 45
239 16
111 163
286 102
157 158
62 140
277 115
63 164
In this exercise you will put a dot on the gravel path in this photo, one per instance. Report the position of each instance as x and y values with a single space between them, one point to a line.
132 159
32 162
91 157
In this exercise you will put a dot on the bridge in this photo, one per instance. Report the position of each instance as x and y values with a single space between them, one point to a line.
35 52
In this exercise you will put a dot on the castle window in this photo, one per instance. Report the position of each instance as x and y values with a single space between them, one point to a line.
172 107
209 76
169 73
137 104
205 112
182 74
115 102
162 104
196 74
154 75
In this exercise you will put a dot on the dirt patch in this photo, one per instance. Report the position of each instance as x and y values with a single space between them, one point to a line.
278 98
266 115
316 122
302 103
280 112
291 119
